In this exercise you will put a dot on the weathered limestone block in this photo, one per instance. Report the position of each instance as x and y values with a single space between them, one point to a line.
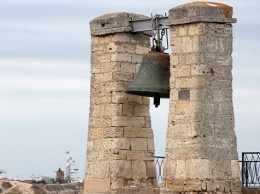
128 121
119 97
139 143
128 109
101 169
137 132
121 168
96 133
211 185
120 149
100 185
151 171
192 184
197 168
235 169
113 23
111 109
113 132
139 170
150 143
143 154
201 153
201 12
140 190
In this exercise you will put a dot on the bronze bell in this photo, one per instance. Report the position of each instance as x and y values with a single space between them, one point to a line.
153 77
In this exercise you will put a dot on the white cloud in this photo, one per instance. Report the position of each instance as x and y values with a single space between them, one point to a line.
42 64
42 83
52 31
39 26
36 75
250 70
246 102
15 108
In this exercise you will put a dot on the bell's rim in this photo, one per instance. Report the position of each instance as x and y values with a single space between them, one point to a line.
163 93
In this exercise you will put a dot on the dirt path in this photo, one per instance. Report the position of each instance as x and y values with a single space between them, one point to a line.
15 187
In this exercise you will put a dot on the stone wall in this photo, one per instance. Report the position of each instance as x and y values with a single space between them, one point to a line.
201 148
201 152
120 150
251 190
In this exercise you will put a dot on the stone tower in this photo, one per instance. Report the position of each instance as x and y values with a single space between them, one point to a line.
201 153
201 148
120 150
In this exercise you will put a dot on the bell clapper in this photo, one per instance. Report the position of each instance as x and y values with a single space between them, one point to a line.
156 99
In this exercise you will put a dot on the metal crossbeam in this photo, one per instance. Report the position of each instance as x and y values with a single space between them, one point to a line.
149 24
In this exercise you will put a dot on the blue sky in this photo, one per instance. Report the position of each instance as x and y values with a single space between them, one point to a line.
44 80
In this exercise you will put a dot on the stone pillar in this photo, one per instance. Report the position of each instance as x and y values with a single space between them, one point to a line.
201 147
120 149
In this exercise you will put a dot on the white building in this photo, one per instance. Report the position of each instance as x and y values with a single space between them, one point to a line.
35 178
4 175
70 172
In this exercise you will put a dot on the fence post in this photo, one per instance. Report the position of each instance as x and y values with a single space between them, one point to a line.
243 168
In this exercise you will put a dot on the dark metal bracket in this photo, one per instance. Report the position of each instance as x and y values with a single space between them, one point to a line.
158 28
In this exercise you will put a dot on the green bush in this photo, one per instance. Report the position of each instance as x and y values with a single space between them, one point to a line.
6 185
15 190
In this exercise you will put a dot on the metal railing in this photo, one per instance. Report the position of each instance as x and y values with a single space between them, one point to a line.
159 160
249 169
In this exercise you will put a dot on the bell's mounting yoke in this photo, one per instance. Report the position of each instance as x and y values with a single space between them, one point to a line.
152 79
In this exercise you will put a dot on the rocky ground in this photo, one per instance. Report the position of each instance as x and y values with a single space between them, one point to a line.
18 187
